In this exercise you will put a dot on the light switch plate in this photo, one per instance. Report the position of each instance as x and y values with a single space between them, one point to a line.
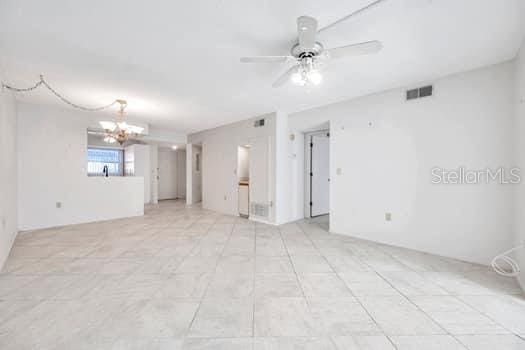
388 216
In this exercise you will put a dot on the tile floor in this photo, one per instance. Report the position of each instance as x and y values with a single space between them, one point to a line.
187 278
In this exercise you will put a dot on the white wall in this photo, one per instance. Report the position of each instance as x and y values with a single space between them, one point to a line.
386 148
189 174
142 166
519 222
154 169
196 174
8 175
163 135
193 178
181 174
283 171
219 163
52 161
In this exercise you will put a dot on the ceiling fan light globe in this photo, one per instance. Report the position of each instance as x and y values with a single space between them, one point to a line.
314 77
297 79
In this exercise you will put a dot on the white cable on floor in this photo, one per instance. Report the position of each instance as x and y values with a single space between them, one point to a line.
505 258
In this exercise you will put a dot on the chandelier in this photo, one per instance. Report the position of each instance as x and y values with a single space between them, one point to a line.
119 131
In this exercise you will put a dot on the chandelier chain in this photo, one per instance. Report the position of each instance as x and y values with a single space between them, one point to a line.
44 83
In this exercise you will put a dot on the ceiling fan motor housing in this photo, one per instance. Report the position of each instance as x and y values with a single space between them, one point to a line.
300 52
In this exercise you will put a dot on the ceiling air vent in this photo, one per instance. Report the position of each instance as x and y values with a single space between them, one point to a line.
424 91
258 123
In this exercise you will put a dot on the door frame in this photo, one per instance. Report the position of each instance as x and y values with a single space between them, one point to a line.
308 170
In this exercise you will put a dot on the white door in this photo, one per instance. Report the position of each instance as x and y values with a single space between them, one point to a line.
167 174
320 174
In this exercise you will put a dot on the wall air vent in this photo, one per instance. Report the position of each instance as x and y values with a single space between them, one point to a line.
258 123
259 209
424 91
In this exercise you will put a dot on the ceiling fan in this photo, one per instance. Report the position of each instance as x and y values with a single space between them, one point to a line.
308 54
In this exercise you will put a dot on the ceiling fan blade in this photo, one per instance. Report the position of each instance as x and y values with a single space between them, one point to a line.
353 14
365 48
307 29
265 59
285 77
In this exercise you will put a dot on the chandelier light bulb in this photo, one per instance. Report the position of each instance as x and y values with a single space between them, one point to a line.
107 125
109 139
123 126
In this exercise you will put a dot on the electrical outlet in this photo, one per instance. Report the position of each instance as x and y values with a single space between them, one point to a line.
388 216
58 205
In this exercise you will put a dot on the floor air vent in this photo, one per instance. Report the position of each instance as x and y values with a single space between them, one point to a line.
259 209
424 91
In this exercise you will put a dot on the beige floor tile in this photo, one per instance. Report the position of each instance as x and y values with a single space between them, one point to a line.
277 285
273 264
319 285
363 342
456 317
224 318
492 342
283 317
427 342
397 316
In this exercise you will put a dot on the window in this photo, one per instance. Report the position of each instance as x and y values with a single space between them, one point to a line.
99 157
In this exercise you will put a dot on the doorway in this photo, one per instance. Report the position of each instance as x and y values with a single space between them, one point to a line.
317 173
171 173
243 180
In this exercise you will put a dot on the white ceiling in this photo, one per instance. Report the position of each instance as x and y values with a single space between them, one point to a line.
177 62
